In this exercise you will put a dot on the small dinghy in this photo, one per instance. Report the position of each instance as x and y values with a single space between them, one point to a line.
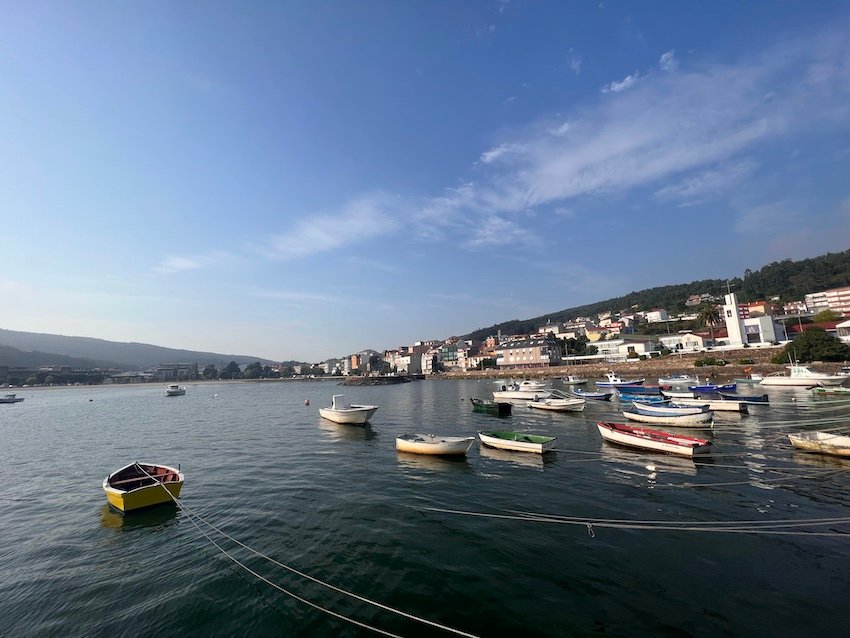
685 420
342 413
140 485
821 442
596 396
486 406
558 405
654 440
517 441
434 445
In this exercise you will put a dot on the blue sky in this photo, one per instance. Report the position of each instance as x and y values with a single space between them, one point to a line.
308 179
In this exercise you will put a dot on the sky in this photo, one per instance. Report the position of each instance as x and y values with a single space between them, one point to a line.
305 180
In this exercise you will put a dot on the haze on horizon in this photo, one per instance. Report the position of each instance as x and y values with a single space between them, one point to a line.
307 180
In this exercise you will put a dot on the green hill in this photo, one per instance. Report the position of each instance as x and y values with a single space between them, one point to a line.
789 280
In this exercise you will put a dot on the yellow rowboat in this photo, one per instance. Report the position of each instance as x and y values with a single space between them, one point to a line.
141 485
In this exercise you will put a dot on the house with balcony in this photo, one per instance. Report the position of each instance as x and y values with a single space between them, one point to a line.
531 352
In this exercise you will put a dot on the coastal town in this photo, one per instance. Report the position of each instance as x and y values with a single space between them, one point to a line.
626 337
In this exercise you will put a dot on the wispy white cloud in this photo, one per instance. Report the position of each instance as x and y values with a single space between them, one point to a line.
297 297
693 126
499 231
626 83
357 221
184 263
574 62
770 218
714 182
668 61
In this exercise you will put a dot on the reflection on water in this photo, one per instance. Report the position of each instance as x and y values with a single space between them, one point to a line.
431 463
646 464
344 432
520 458
157 516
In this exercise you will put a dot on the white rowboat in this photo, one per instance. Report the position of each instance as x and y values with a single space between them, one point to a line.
821 442
433 444
351 414
686 420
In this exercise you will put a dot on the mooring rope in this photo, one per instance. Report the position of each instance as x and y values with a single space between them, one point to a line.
190 514
666 526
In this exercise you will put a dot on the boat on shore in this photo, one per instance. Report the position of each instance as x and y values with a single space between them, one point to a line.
174 390
558 405
11 398
486 406
802 376
821 442
140 485
340 412
652 440
517 441
434 445
684 420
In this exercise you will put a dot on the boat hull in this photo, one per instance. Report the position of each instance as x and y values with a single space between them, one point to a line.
496 408
518 442
146 495
821 443
685 421
521 394
434 445
716 405
652 440
355 415
558 405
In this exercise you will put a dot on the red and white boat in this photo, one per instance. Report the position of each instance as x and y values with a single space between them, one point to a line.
654 440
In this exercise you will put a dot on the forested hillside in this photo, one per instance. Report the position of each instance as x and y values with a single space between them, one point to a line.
789 280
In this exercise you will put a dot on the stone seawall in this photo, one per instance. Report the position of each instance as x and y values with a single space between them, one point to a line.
651 369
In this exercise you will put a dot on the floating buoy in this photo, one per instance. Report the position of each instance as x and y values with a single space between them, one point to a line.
306 401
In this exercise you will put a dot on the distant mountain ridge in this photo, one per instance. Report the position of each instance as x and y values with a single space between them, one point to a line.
787 279
31 348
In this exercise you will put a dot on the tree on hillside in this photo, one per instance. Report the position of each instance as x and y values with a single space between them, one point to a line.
253 371
709 317
814 344
231 371
826 315
210 372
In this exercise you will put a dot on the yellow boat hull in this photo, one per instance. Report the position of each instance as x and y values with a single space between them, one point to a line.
143 497
132 488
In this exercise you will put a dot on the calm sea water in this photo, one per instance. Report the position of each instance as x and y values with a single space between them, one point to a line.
339 503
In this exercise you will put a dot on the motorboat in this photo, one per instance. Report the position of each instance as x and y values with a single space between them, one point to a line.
525 390
11 398
340 412
613 380
683 420
821 442
433 444
140 485
486 406
802 376
558 405
572 379
174 390
678 379
653 440
517 441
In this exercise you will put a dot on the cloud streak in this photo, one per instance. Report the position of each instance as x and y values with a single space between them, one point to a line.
697 126
357 221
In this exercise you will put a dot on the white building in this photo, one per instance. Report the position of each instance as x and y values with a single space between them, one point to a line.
656 315
751 330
